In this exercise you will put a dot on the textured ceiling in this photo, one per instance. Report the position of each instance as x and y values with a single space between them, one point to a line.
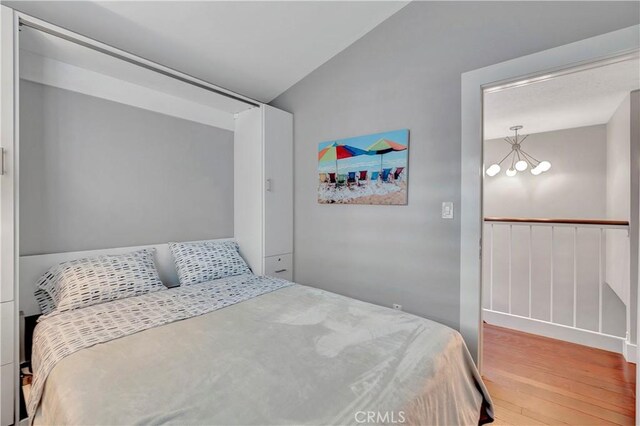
578 99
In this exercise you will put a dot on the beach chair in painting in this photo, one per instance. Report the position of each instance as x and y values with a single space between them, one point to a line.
332 179
397 174
324 179
375 176
386 175
351 179
342 180
362 177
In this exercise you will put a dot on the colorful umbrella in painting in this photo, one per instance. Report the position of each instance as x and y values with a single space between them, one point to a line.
384 146
335 152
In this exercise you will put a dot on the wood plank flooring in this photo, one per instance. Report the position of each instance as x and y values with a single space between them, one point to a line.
535 380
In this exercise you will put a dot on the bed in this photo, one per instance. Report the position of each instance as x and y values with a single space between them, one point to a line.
253 351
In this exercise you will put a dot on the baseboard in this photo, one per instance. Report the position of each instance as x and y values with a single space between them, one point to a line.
630 352
561 332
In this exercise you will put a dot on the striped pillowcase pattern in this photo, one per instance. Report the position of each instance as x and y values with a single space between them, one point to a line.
89 281
197 262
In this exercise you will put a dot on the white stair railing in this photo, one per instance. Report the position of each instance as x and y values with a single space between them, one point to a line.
602 226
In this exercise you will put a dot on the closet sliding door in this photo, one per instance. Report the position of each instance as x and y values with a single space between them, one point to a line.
8 237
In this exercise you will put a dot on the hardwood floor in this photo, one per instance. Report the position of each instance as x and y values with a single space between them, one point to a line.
535 380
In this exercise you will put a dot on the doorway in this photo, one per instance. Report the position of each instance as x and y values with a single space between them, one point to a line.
558 309
535 67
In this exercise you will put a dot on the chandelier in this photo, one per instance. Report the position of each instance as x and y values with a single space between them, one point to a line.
520 160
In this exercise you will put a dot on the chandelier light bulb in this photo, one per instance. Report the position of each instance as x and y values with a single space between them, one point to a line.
544 166
519 159
493 170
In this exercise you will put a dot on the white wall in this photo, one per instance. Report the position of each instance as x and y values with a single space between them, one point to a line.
618 199
623 152
574 187
405 73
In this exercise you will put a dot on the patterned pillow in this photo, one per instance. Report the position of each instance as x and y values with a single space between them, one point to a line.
85 282
198 262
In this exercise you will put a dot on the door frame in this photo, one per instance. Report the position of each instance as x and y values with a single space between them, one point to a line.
9 110
535 67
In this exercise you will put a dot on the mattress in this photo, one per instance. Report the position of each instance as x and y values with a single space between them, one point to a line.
288 355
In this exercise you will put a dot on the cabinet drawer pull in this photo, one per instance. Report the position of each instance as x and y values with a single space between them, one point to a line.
281 270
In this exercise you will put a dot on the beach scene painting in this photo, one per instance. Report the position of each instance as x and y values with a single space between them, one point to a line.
370 169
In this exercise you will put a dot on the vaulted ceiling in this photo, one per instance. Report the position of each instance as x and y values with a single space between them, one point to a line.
258 49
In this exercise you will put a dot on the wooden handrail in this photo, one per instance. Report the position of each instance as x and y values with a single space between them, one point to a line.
559 221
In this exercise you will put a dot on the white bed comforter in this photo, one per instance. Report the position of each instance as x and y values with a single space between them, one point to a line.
278 353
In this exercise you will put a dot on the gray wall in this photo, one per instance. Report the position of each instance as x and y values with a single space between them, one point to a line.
406 74
575 187
634 220
634 223
98 174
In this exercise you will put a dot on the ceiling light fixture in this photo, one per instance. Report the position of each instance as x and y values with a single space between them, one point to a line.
520 160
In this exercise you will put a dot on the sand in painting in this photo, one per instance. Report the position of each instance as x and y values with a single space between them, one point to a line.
393 198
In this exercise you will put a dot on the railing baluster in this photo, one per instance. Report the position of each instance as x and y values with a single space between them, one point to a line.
491 270
530 264
599 281
601 226
551 279
575 275
510 256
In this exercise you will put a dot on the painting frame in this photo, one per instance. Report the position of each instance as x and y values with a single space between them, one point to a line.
371 169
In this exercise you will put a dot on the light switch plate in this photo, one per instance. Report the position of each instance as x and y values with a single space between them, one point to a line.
447 210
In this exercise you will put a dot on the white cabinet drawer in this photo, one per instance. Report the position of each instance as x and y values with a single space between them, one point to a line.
6 395
280 266
7 333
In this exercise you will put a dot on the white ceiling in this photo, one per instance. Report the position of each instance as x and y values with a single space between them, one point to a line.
578 99
258 49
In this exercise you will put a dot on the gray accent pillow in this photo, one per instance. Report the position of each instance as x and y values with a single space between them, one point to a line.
89 281
202 261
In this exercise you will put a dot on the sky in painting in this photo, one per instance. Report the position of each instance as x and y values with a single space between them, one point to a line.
368 162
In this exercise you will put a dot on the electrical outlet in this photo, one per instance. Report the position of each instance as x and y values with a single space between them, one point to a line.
397 306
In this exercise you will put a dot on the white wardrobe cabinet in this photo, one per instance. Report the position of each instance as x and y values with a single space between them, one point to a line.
263 200
280 266
8 365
